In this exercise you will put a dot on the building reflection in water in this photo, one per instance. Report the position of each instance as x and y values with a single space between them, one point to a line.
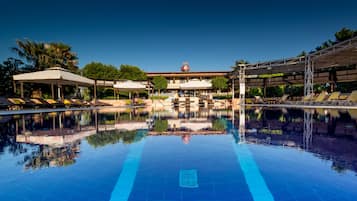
307 130
54 139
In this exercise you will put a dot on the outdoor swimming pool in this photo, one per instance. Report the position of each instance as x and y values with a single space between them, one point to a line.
279 154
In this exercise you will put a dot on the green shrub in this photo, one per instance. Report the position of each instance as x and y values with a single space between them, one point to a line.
276 91
252 92
161 125
222 97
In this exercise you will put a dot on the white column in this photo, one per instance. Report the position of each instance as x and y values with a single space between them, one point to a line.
241 84
59 91
242 123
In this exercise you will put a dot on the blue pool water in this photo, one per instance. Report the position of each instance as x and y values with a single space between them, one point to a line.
278 155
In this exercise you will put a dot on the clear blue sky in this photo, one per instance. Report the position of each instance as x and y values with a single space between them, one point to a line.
159 35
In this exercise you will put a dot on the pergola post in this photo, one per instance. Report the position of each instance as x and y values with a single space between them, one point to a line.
264 87
232 91
22 89
95 91
96 121
59 91
62 94
241 84
77 91
52 91
14 86
309 77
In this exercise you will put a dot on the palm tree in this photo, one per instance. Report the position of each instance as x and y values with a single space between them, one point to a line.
60 54
32 52
44 55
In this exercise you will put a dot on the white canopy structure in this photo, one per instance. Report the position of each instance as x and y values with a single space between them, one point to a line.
131 126
196 126
129 85
196 84
55 75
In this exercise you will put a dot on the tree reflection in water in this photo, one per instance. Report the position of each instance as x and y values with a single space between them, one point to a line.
8 127
46 156
104 138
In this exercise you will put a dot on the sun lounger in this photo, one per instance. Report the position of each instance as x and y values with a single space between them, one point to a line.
305 100
21 103
283 99
320 98
334 96
40 103
350 100
80 103
72 103
352 97
258 100
55 103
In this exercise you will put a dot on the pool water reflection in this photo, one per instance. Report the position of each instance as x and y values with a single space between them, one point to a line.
112 154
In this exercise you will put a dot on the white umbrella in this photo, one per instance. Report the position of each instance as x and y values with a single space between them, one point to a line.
129 86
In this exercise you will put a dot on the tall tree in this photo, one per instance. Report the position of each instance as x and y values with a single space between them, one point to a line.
302 54
241 61
219 83
238 62
9 68
99 71
128 72
345 34
160 83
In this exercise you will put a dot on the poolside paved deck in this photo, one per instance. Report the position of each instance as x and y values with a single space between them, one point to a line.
48 110
304 106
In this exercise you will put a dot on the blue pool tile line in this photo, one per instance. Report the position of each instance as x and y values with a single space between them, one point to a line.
124 185
255 181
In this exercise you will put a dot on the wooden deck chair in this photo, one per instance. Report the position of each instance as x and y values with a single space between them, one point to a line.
308 98
71 103
258 100
20 102
39 102
334 96
54 103
320 98
352 97
350 100
283 99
